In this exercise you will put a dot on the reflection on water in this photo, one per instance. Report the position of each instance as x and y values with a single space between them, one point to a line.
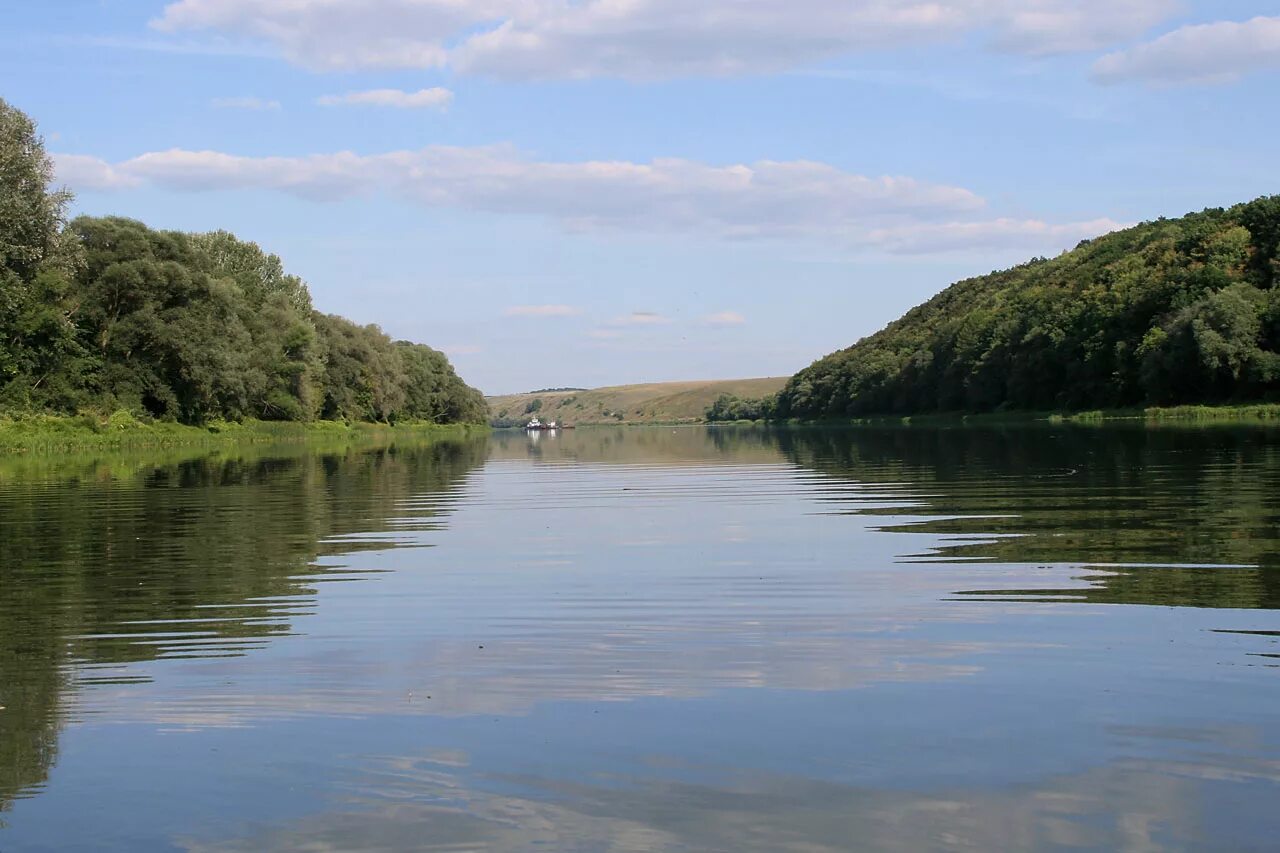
1147 806
648 639
1187 518
110 561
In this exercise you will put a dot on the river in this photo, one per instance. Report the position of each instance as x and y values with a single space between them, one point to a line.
648 639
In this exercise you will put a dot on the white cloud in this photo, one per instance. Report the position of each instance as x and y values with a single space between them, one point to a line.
543 311
766 200
245 103
434 98
726 318
651 39
321 177
90 173
1220 52
1043 27
644 39
640 318
332 34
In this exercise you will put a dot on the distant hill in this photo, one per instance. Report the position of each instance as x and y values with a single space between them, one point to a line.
659 402
1173 311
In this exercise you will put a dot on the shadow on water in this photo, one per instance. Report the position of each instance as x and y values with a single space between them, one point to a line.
118 559
1170 517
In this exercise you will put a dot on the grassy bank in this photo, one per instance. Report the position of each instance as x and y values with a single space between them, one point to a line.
54 434
1251 415
1151 415
1259 413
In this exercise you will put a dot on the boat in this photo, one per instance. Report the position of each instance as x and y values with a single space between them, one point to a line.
536 425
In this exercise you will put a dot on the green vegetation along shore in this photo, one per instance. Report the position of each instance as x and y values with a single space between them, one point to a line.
105 318
1168 313
732 410
122 431
1262 413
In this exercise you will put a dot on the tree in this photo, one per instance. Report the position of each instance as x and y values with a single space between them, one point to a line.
36 334
1262 218
260 276
728 407
106 313
31 212
1173 311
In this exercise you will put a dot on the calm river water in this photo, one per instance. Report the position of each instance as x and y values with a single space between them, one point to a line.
647 639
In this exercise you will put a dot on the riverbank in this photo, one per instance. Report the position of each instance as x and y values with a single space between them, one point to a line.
58 434
1264 413
1257 414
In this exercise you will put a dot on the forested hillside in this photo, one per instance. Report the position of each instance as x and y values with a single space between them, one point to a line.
1172 311
104 314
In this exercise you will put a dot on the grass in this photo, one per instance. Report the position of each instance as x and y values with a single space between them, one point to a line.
1245 414
657 403
1260 413
121 430
1267 413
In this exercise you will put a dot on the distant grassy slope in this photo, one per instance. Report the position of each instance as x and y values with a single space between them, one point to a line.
657 402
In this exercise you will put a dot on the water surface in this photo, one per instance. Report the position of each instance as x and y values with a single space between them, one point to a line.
641 639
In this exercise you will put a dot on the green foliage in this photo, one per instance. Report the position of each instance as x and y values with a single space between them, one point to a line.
107 314
534 405
35 265
433 392
260 276
727 407
31 215
1169 312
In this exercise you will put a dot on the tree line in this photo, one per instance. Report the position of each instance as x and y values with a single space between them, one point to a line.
104 314
1169 312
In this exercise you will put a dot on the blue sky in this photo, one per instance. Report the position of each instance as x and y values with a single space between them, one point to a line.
610 191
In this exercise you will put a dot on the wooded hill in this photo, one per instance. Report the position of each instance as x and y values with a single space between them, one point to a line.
106 314
1168 312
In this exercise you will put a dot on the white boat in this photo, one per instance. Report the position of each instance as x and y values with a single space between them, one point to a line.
536 424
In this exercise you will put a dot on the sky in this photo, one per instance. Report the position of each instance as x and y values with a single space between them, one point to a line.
597 192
